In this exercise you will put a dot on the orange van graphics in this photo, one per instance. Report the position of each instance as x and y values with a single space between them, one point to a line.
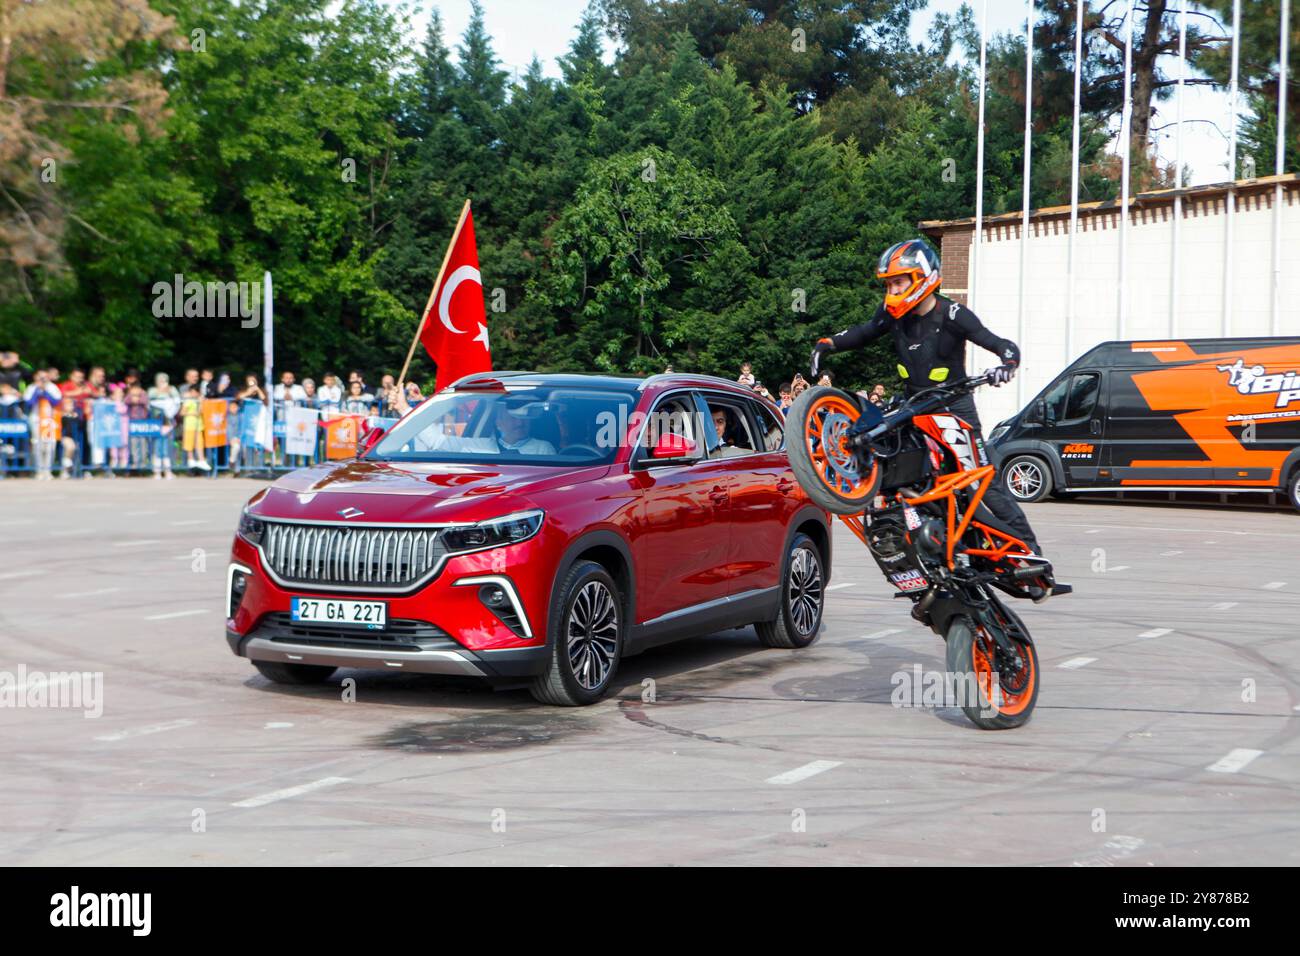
1215 414
1220 399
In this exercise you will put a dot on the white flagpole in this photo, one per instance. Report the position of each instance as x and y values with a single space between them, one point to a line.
1232 171
268 357
979 164
1178 169
1125 132
1024 202
1070 310
1275 323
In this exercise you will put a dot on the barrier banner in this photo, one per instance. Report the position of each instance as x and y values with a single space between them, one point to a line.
146 428
215 420
255 425
300 430
106 424
341 436
13 428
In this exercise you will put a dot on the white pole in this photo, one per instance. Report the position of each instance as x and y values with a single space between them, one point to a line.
1232 170
979 164
1024 202
1125 131
268 356
1070 310
1275 324
1178 170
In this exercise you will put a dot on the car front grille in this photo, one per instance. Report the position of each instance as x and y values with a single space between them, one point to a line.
368 558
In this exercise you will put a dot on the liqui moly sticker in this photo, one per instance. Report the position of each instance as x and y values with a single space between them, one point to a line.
912 517
909 580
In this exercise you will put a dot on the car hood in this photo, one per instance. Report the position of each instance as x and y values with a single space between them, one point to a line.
414 491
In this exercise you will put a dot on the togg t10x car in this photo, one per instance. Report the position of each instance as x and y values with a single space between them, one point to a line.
533 529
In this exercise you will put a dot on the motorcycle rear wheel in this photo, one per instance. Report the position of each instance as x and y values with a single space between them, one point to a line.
995 699
822 462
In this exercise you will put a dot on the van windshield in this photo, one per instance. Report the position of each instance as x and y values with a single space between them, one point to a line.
519 425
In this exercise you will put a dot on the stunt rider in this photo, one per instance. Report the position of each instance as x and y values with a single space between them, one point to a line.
930 334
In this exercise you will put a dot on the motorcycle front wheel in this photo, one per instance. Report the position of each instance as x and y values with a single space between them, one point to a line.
823 463
996 691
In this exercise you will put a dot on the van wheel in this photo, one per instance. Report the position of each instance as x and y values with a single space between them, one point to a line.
1293 488
803 593
1026 478
586 639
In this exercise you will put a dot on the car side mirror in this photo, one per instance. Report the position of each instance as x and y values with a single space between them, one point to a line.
1038 414
670 449
369 439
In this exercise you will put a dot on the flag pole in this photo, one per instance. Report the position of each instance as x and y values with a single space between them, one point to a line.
419 327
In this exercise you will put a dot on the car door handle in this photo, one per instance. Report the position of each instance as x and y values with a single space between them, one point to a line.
1094 426
718 495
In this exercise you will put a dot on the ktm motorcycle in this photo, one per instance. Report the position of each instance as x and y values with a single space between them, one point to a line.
909 481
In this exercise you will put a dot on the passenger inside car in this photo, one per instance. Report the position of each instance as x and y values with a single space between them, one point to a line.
733 439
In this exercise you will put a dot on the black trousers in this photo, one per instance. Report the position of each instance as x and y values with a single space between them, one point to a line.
997 499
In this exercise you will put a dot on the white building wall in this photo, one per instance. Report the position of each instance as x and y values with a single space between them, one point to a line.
1047 345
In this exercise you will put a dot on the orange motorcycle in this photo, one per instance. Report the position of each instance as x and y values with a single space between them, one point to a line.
909 481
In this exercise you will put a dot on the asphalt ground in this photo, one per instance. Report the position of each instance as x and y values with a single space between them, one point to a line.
1165 733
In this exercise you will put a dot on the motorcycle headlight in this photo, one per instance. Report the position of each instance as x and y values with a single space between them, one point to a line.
492 534
251 529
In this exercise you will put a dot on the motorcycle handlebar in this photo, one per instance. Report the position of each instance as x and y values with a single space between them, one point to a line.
909 407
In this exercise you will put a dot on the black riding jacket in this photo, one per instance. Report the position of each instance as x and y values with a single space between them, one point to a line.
931 348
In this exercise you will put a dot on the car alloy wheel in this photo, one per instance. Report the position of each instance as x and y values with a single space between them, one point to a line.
592 632
805 591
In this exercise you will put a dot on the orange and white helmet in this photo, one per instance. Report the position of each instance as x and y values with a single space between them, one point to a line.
916 259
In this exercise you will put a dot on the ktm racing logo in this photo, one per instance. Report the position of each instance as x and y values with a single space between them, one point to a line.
1078 450
1252 380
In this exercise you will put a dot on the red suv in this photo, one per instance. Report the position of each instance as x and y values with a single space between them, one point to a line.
533 528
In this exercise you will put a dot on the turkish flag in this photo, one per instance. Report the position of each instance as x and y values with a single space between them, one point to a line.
454 329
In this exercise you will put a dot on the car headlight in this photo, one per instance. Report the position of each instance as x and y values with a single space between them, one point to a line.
251 528
998 433
492 534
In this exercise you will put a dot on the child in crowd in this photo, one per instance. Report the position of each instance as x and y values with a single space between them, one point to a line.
164 403
11 409
787 397
192 429
746 374
119 458
137 410
43 401
73 431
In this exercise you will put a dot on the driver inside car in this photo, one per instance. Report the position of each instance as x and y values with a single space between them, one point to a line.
512 421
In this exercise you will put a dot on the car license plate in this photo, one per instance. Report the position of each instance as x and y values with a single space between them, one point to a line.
371 614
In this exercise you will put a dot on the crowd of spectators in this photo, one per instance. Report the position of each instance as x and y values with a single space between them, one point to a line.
789 391
34 395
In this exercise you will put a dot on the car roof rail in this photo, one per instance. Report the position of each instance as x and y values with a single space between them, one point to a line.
691 377
484 377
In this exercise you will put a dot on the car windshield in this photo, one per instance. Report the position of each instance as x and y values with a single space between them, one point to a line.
517 425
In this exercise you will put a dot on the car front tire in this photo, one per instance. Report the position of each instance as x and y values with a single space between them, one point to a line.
803 596
585 639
